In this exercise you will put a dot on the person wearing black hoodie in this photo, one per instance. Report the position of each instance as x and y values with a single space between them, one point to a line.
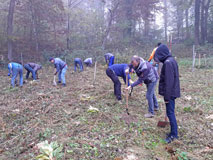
169 86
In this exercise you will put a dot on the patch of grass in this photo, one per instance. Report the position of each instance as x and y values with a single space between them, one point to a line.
187 109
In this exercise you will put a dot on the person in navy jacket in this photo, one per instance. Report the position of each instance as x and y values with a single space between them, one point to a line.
78 62
118 70
15 69
169 86
61 68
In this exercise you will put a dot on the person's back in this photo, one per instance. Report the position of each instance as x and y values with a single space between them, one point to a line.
78 61
109 58
59 62
15 69
88 61
35 66
119 69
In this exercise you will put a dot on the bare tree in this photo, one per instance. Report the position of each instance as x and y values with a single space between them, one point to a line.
165 18
10 29
111 17
197 21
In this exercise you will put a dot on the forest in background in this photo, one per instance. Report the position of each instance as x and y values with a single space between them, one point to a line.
81 28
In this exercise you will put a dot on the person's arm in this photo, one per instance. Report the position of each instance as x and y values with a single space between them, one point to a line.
152 55
9 69
105 56
57 68
37 74
139 81
169 81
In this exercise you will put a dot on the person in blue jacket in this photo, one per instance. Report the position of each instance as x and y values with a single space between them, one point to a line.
169 86
118 70
61 68
88 62
78 62
15 69
109 58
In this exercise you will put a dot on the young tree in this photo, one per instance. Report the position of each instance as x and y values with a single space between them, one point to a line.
197 22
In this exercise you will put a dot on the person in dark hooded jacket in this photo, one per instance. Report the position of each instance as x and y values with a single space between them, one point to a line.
169 86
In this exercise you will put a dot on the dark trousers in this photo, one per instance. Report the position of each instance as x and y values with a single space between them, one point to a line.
78 63
30 70
117 83
170 111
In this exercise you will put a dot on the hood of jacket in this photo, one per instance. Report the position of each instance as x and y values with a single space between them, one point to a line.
162 53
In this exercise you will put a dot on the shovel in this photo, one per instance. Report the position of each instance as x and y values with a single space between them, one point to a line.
164 123
54 82
130 94
127 111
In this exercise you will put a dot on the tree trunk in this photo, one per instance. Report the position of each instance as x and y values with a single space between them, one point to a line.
179 20
68 25
10 29
165 19
146 28
202 27
34 26
206 15
128 9
111 17
197 21
187 23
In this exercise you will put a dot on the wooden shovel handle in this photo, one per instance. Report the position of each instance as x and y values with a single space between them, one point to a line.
127 92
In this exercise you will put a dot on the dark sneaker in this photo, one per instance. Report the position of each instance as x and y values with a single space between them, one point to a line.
170 139
168 135
59 82
64 85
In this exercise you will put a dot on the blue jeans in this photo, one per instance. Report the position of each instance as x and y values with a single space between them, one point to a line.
150 96
80 65
170 112
61 75
15 72
111 61
30 70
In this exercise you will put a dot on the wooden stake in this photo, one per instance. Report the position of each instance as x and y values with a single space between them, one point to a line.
194 56
199 61
95 73
21 59
204 59
127 92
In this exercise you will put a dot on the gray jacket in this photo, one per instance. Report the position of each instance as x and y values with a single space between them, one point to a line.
146 73
59 64
34 66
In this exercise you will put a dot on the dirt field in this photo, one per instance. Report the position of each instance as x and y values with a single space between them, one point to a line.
39 111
